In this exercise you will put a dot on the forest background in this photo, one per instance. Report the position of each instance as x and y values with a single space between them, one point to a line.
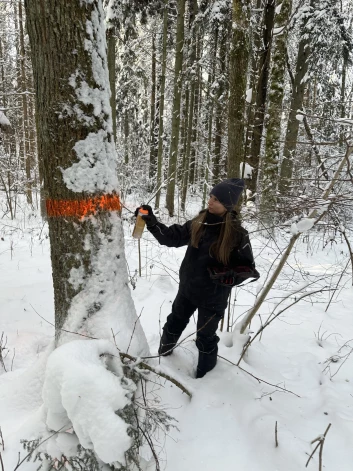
202 91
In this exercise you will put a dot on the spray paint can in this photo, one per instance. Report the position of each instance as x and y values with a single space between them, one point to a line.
140 224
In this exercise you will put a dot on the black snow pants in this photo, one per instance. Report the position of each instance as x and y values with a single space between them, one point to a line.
206 338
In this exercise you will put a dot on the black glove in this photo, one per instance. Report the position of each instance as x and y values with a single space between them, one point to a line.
149 218
225 276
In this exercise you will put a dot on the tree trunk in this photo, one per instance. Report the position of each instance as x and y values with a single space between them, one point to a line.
76 146
173 152
161 103
261 92
152 169
210 107
274 111
193 35
28 158
296 104
219 118
238 67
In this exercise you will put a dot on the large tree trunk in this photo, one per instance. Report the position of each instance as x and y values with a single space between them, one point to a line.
273 127
261 92
76 147
238 67
173 152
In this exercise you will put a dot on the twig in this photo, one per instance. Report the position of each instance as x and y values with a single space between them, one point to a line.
313 214
63 330
258 379
276 436
321 441
321 290
39 444
334 291
1 462
133 330
2 441
144 366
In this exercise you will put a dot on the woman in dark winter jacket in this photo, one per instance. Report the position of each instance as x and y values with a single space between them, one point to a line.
218 257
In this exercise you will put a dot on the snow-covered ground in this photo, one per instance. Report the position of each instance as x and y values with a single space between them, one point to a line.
229 424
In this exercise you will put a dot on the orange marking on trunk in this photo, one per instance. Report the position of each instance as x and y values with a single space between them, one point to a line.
82 208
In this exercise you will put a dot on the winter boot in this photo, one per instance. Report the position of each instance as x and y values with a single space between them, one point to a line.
207 361
168 342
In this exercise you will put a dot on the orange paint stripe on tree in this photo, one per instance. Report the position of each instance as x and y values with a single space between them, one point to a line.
82 208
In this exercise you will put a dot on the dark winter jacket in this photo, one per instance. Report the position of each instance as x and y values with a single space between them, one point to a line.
195 281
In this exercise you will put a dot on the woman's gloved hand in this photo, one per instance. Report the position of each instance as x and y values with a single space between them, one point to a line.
149 218
225 276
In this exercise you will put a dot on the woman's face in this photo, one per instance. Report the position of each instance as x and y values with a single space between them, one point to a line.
216 207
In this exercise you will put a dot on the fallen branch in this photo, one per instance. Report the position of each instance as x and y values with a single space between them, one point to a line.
145 366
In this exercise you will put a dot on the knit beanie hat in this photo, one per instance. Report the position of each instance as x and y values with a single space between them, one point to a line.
228 192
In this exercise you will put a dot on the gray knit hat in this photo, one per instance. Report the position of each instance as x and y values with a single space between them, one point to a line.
228 192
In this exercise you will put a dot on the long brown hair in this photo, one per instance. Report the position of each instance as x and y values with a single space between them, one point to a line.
228 239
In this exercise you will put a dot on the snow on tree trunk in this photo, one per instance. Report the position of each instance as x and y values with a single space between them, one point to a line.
76 148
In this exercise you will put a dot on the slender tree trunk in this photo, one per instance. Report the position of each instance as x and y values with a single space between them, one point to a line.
295 105
270 160
161 103
127 146
153 155
238 67
194 167
25 133
173 152
343 88
255 32
219 115
261 92
193 34
210 108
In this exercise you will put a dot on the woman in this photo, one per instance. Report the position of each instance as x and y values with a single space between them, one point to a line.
218 257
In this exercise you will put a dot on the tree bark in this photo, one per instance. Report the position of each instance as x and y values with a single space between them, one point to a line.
173 152
28 158
111 42
161 103
296 104
188 165
261 93
270 161
76 146
238 67
219 112
152 169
